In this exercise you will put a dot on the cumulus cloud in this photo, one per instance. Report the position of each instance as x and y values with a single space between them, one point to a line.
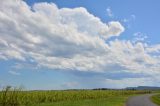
155 49
68 39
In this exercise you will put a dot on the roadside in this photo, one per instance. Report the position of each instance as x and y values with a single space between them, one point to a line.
156 99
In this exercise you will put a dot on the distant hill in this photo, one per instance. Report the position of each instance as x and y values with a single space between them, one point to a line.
143 88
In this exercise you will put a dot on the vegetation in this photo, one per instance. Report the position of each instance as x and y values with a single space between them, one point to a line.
156 99
110 101
17 97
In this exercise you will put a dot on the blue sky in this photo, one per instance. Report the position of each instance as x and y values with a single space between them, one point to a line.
66 44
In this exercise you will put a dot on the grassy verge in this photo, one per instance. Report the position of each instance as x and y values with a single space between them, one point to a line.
156 99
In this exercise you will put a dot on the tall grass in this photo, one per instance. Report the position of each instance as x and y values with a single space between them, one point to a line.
10 97
16 97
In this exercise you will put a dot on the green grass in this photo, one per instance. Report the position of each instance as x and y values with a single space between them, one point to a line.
17 97
111 101
156 99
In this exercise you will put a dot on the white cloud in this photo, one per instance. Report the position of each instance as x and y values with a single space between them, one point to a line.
133 17
115 28
14 72
68 39
154 49
129 82
109 12
139 37
70 85
129 19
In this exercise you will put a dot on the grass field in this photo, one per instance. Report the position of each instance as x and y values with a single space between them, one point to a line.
156 99
110 101
17 97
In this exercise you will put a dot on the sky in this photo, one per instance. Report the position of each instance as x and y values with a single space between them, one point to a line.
78 44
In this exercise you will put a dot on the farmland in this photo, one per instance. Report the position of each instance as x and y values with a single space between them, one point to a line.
17 97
